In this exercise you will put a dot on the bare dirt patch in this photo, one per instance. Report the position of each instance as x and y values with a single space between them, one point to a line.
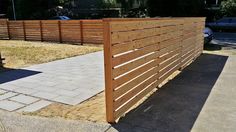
25 53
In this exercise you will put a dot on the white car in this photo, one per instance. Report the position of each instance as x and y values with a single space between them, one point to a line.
208 35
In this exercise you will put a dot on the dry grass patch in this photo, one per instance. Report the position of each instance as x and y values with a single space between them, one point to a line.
24 53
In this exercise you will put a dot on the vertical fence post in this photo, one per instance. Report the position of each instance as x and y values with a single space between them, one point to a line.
181 43
81 32
108 71
41 30
59 30
8 30
1 63
23 25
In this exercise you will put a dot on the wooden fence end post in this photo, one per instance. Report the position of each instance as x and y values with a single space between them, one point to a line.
108 71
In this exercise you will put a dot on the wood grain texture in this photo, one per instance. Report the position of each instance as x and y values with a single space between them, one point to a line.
108 73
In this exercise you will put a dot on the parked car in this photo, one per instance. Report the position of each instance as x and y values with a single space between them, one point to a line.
208 35
60 18
225 24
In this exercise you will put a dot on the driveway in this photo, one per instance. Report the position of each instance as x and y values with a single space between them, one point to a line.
68 81
201 98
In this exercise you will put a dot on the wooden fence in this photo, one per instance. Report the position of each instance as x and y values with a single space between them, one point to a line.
77 31
141 53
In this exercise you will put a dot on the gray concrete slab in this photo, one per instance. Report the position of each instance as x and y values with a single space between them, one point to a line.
65 80
2 92
10 105
24 99
219 111
7 95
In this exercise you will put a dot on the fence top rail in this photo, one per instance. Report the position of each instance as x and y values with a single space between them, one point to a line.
145 19
84 20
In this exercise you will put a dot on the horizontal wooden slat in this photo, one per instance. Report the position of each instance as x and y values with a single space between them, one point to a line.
123 89
135 54
170 66
132 65
119 37
124 47
133 74
135 91
134 100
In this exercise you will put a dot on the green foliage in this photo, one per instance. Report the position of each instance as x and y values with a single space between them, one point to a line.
108 3
34 9
228 8
166 8
133 8
43 9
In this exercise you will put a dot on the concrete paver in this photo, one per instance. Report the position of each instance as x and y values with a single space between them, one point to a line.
66 100
10 105
2 92
35 106
46 95
24 90
8 87
24 99
66 93
7 95
10 101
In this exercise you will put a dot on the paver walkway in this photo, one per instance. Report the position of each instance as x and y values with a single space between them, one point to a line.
69 81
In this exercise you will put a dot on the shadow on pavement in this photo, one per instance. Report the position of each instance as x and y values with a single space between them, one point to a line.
176 106
7 75
212 47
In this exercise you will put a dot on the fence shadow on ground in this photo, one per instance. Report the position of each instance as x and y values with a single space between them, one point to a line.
176 106
7 75
212 47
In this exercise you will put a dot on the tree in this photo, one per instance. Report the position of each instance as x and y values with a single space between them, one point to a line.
133 8
34 9
3 7
228 8
182 8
